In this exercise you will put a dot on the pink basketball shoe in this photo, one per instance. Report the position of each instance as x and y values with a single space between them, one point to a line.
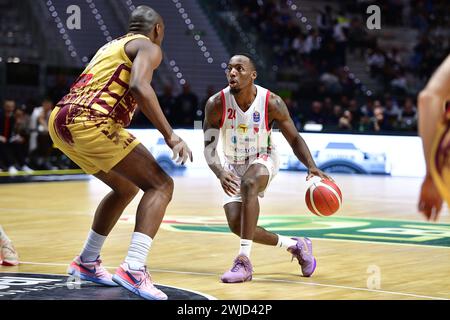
8 254
139 282
241 271
91 271
303 252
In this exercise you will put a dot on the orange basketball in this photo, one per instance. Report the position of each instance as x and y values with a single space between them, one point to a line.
323 198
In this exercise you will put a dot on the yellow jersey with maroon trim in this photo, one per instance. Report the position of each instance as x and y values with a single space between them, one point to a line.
102 90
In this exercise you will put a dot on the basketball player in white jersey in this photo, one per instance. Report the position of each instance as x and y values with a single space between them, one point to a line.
243 115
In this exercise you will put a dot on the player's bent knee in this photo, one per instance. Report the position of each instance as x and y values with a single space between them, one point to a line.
249 186
169 186
128 192
126 195
166 187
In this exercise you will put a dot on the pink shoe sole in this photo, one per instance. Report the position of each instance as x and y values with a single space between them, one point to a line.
249 278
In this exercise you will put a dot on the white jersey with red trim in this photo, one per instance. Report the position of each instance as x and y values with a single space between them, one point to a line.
246 135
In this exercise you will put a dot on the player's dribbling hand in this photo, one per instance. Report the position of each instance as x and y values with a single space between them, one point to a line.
181 151
319 173
430 201
229 183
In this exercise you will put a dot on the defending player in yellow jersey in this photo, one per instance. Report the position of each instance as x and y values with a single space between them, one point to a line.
88 123
88 126
434 128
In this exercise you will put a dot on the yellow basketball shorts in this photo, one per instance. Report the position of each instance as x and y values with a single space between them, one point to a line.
440 160
93 144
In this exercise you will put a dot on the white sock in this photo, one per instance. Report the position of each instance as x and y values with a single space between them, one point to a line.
3 237
138 250
92 247
285 242
246 247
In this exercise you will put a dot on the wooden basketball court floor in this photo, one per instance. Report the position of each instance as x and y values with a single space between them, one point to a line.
48 223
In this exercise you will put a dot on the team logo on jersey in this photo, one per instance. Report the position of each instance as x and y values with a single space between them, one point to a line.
243 128
83 80
256 117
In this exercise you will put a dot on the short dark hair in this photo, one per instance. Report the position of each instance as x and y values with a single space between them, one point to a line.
249 56
143 19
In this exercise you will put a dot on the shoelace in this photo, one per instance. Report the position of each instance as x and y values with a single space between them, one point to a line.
239 262
297 254
9 248
101 270
146 281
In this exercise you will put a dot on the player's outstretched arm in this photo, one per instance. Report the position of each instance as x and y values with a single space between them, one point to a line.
211 130
431 103
146 57
279 113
